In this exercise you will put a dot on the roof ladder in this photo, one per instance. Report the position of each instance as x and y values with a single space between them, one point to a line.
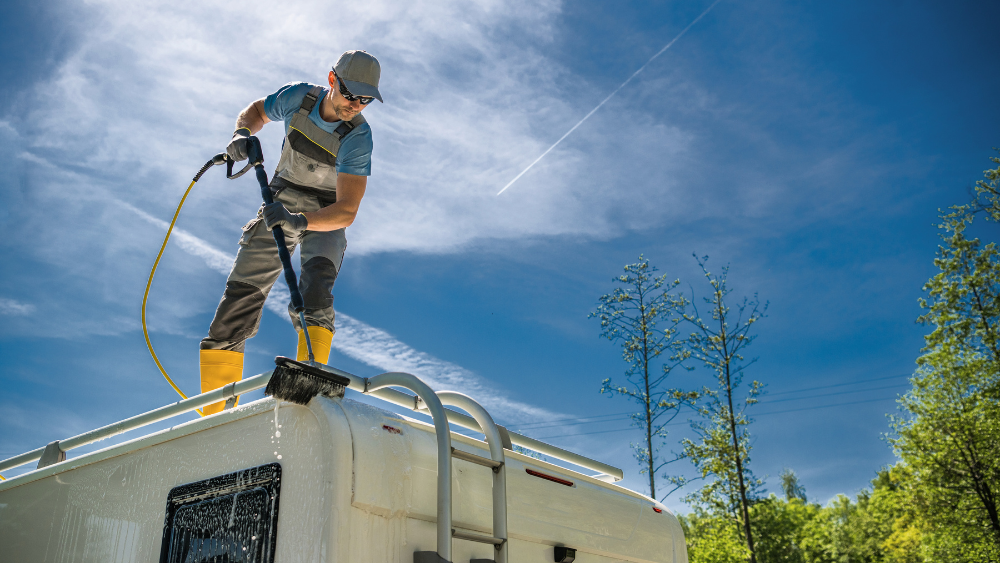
443 433
435 402
496 462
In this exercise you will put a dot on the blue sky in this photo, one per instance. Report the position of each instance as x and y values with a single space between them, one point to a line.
807 145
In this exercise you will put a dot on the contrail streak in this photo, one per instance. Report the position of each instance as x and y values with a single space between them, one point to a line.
634 74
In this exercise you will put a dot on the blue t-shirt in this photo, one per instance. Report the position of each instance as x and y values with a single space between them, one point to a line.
355 155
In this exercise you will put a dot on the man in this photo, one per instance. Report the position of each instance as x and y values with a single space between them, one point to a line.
318 185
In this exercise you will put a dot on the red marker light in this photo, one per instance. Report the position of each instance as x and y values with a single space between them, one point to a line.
547 477
658 510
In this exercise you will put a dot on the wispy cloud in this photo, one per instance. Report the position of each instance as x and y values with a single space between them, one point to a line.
213 257
379 348
470 93
473 89
14 307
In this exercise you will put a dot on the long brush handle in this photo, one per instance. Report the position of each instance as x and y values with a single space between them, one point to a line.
257 158
279 239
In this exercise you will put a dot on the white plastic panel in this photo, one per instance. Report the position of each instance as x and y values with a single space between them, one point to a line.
395 471
545 509
382 460
113 510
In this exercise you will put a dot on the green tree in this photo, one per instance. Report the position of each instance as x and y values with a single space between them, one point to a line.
721 452
791 487
712 538
642 316
786 531
949 434
899 515
781 526
986 196
882 525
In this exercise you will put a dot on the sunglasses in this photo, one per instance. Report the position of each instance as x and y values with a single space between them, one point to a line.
365 100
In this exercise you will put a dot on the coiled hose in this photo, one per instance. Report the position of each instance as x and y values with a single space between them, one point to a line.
217 159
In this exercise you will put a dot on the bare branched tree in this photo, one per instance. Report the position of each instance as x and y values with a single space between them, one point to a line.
642 316
723 448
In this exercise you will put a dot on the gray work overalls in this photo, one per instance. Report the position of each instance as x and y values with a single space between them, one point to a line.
304 180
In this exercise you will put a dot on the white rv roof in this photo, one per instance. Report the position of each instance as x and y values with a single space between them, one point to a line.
390 464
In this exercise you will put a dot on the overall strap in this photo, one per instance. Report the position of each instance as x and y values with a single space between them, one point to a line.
346 127
309 101
309 155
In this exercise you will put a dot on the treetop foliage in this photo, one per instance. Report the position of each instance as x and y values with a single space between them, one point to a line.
949 430
791 487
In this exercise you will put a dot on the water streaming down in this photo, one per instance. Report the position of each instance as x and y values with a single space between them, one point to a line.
383 496
276 438
230 518
201 535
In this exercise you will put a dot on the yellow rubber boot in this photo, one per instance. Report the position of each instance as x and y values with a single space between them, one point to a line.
219 368
321 339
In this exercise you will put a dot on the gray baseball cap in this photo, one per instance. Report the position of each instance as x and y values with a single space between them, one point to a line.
360 73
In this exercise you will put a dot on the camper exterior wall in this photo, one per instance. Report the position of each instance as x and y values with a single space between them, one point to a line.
109 506
395 471
358 485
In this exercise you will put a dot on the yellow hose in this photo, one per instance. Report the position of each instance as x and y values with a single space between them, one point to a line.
149 283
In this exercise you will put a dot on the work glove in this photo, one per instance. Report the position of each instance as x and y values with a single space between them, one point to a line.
239 147
275 215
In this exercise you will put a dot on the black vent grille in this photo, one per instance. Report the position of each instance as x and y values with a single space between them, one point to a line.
227 519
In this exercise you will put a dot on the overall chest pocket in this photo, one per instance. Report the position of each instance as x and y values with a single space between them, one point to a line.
308 171
310 164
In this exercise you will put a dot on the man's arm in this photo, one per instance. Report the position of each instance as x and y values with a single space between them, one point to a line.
251 120
253 117
350 190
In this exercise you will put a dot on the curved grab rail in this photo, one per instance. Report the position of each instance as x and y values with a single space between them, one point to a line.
608 473
443 432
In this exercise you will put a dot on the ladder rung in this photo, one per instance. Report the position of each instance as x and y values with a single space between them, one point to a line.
481 538
484 461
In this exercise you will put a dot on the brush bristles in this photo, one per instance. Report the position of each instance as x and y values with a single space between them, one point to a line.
298 383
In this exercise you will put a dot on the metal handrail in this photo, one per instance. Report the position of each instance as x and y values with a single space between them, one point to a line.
258 381
138 421
443 431
459 419
492 434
